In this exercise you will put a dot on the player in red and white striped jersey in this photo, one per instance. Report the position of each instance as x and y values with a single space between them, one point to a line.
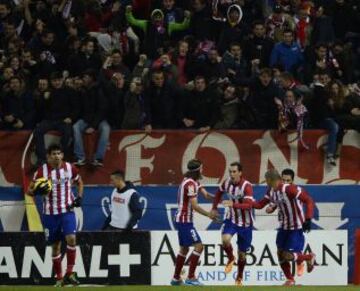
188 236
58 215
238 217
290 200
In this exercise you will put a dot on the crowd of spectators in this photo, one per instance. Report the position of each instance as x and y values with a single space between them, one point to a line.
79 66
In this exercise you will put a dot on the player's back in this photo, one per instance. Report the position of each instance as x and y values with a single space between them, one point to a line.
187 190
61 197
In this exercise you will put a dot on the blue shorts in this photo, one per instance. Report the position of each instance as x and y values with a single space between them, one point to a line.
290 240
187 234
58 226
244 234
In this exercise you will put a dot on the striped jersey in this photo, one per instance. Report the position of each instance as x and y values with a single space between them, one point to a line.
237 193
61 197
188 189
286 198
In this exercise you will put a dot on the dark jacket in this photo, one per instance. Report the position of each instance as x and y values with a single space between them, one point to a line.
262 102
161 106
80 62
133 111
259 48
115 108
319 108
202 107
239 66
59 105
21 107
93 106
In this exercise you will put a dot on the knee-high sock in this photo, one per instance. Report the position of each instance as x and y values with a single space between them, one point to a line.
299 257
179 264
194 259
70 257
229 251
57 266
241 267
285 266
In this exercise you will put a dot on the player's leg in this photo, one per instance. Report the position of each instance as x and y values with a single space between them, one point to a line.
69 231
179 264
229 229
194 257
295 246
185 242
284 263
52 228
104 134
244 244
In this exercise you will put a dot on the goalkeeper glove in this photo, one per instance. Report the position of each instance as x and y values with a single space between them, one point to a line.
307 225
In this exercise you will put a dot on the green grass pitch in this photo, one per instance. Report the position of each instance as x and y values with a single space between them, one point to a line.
186 288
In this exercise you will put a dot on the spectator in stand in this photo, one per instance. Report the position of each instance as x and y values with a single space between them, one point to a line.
350 117
87 58
57 106
142 67
38 95
287 53
323 30
202 25
229 111
183 62
134 108
114 64
259 46
341 14
7 74
323 115
234 64
160 102
114 91
277 23
212 68
342 61
232 30
18 107
164 64
303 27
172 13
200 108
157 32
263 92
92 116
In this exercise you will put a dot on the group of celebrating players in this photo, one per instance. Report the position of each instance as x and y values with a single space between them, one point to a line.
282 195
54 181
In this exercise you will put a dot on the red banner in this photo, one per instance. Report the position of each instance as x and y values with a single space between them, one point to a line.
161 157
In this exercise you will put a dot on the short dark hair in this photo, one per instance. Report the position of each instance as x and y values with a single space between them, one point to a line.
287 76
118 173
288 30
288 172
54 147
116 51
258 22
15 78
265 71
238 165
321 44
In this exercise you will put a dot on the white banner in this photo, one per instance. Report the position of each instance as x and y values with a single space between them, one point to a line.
262 268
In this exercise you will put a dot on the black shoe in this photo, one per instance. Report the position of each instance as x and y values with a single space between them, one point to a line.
80 162
97 163
71 279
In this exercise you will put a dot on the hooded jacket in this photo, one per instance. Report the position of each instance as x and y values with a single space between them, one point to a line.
231 31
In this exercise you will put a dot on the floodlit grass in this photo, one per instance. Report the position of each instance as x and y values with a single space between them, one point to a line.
186 288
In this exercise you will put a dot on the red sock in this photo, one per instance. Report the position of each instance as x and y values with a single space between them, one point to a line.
180 260
70 257
229 251
299 258
285 266
194 259
57 267
241 266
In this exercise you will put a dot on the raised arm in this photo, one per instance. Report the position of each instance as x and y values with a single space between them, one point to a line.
142 24
179 26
